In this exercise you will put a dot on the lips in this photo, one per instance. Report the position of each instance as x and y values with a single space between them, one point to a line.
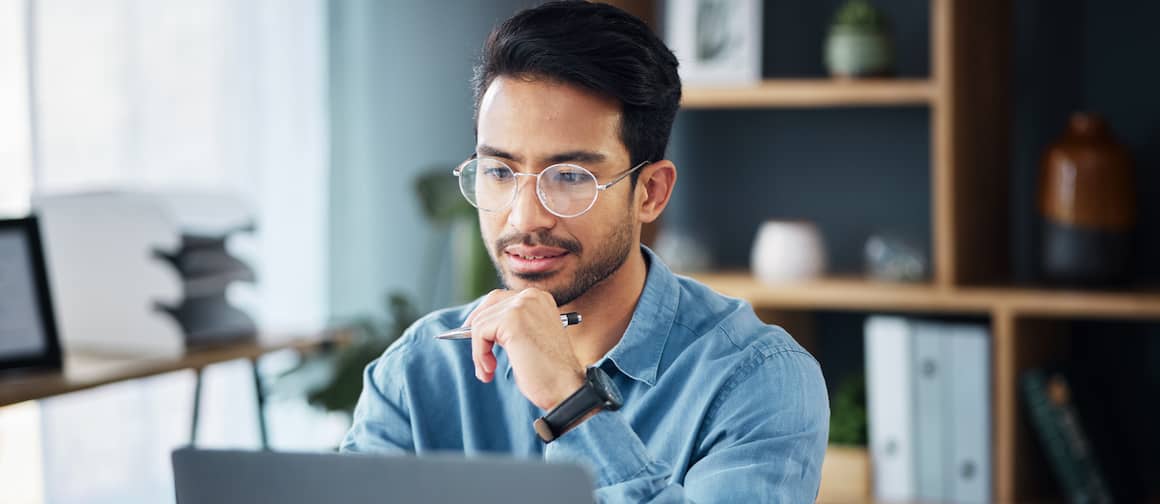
525 259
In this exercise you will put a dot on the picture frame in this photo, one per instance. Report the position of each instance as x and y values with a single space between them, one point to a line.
28 330
717 42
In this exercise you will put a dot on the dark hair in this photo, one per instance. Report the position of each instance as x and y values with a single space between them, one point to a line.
597 47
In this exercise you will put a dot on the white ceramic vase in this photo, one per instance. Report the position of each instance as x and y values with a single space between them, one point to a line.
788 251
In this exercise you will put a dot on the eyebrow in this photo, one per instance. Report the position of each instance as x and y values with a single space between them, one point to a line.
573 156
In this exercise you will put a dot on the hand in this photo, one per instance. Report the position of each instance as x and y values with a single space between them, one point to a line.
527 325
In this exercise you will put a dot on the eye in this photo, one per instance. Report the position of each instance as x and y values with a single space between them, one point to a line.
498 173
570 177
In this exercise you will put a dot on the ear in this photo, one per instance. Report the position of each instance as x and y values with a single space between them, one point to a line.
654 188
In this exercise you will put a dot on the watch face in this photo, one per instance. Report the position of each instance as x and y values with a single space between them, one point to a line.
605 387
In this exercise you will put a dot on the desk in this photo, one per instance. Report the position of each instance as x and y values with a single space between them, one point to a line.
84 371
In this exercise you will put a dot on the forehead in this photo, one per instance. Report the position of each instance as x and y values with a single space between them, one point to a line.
535 119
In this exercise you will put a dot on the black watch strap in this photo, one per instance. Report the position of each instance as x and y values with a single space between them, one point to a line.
580 403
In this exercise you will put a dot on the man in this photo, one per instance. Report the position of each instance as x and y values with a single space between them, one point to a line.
666 390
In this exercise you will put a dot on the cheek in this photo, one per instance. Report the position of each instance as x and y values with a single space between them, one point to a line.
490 226
593 231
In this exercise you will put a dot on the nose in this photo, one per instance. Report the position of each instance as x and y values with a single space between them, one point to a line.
527 212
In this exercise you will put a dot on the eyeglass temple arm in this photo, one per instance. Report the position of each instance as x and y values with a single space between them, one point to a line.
459 168
622 175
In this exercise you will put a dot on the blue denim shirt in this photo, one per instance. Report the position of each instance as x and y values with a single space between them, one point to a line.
718 406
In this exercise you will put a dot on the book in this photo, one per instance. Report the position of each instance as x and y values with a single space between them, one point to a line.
1060 432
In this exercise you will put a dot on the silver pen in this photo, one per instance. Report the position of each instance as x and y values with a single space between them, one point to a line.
567 319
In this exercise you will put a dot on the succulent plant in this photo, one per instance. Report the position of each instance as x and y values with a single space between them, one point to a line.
859 14
859 42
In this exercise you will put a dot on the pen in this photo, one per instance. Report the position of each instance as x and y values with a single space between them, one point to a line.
567 319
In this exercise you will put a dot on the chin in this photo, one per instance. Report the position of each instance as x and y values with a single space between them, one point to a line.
535 279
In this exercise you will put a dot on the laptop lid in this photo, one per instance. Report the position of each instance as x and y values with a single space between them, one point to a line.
232 476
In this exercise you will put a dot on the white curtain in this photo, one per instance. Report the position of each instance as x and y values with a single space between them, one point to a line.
208 95
215 95
15 172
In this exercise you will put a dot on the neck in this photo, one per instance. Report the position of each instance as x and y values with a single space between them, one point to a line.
607 309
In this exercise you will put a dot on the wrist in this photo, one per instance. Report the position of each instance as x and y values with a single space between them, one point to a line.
564 389
595 393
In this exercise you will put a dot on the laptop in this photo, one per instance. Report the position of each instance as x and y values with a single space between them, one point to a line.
231 476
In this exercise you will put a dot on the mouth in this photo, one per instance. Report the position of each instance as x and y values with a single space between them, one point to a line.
532 260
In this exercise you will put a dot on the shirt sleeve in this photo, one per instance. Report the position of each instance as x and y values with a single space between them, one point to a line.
381 423
763 440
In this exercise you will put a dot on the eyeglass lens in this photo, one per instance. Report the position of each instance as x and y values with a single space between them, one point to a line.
565 190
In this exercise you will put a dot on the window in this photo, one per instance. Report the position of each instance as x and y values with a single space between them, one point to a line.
15 152
214 95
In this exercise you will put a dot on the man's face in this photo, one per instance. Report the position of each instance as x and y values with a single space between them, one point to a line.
530 125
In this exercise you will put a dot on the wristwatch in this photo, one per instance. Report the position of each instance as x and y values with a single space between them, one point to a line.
598 392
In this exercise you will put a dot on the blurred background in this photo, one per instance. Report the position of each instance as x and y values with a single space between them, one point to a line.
952 204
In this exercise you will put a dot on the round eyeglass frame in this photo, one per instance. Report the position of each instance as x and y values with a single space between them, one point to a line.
458 171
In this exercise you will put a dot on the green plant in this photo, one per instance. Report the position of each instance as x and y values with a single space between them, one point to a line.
859 14
333 379
848 412
446 208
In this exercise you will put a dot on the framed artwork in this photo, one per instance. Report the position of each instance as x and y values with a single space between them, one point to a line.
28 337
716 41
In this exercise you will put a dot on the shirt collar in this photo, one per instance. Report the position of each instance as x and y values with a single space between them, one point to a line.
638 353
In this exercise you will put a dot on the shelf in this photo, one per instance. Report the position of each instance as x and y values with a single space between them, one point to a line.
83 371
844 293
812 93
856 293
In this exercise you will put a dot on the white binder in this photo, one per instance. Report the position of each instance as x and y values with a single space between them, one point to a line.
889 392
932 389
969 464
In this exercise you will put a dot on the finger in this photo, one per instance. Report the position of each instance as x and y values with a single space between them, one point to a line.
491 299
488 314
484 324
540 299
483 358
482 344
527 305
487 323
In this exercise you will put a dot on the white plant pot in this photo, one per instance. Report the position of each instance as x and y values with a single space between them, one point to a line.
788 251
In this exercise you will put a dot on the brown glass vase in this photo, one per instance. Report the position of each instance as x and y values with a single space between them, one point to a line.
1087 203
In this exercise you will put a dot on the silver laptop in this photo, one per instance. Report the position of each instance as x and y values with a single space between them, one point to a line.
229 476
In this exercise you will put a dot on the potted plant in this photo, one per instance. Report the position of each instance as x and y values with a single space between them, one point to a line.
858 43
332 379
846 468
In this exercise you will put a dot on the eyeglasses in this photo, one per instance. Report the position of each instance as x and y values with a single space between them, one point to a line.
566 190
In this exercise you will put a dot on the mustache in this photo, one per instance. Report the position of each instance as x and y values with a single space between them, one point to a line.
533 239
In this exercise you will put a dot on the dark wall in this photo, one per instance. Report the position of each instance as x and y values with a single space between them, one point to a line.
852 171
794 31
855 171
1100 56
1075 55
1115 380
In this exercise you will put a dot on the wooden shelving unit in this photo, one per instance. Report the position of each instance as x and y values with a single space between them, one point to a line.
860 294
789 93
968 93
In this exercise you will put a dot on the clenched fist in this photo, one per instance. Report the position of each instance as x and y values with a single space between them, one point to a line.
527 325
